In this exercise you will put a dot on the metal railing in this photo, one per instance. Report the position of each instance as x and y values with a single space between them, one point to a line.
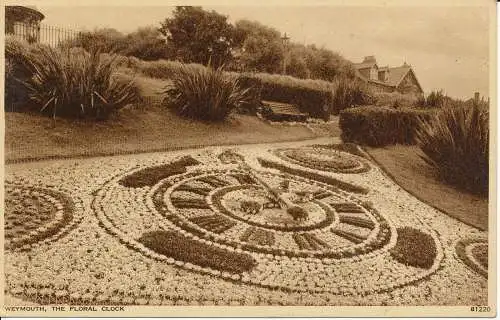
35 33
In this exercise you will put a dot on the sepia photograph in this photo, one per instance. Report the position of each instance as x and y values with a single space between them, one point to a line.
258 158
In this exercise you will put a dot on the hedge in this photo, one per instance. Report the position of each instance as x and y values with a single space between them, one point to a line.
313 97
380 126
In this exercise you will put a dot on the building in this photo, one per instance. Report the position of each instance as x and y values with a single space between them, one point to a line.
401 79
23 22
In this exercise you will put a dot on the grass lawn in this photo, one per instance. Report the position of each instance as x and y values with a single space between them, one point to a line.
30 136
412 174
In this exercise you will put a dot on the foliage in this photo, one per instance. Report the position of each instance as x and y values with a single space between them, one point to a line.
435 99
350 93
327 65
73 83
456 143
205 93
311 96
414 248
103 40
179 247
146 43
162 69
396 100
199 36
260 47
16 95
380 126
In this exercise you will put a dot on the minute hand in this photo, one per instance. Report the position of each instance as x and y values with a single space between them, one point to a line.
283 201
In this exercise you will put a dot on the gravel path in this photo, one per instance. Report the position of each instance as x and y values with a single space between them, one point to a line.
94 248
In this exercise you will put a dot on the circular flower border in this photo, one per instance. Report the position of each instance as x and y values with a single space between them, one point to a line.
67 217
300 156
463 252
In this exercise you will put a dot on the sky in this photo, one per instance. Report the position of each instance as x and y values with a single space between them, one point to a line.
448 47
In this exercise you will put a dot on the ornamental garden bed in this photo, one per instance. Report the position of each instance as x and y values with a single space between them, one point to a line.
287 224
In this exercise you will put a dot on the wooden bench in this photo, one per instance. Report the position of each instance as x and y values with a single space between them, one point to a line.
279 111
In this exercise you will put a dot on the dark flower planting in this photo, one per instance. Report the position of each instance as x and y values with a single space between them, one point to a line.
181 248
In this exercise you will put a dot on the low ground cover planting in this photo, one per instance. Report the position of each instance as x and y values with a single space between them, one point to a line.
219 232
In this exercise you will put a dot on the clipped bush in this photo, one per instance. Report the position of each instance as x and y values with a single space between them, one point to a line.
204 93
456 143
396 99
73 83
313 97
380 126
350 93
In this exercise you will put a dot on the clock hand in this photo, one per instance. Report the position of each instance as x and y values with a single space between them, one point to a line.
297 212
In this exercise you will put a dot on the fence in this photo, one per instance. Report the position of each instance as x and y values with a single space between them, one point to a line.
50 35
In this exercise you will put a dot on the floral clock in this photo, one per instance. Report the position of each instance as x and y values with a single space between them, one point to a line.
257 227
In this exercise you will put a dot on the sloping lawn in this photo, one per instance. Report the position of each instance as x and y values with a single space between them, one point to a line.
30 136
412 174
144 128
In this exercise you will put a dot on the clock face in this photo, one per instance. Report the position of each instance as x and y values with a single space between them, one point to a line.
240 209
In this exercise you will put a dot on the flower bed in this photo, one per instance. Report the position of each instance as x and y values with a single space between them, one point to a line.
474 253
185 249
35 214
178 240
324 159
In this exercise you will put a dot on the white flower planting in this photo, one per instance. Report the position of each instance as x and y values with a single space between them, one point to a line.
163 229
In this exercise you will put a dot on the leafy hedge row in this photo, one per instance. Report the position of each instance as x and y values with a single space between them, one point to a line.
315 97
380 126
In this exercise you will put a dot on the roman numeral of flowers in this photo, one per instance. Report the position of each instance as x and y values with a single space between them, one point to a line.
213 223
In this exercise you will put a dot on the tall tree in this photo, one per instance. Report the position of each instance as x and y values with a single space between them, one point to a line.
260 47
196 35
146 43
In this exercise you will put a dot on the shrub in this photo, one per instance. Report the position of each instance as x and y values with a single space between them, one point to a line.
380 126
350 93
73 83
396 100
16 72
204 93
312 96
456 143
435 99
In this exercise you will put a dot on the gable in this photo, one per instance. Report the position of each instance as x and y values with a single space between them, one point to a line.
408 81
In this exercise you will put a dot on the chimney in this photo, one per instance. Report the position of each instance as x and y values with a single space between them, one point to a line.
369 59
476 96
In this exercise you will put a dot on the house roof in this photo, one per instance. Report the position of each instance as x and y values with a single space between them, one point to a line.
395 74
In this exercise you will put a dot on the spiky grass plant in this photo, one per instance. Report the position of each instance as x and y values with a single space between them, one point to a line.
350 93
455 142
204 93
73 83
